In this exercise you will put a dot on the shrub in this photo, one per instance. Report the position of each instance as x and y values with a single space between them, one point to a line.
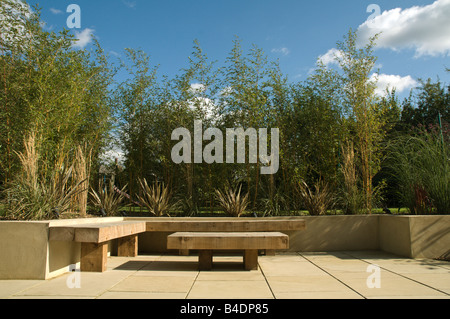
107 200
156 198
317 202
232 202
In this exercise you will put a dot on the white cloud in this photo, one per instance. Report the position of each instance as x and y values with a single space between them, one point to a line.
283 51
425 29
55 11
116 54
83 38
331 57
392 81
130 4
197 88
202 104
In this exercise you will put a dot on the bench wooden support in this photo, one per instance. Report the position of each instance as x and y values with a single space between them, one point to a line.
94 257
251 259
128 246
94 240
205 259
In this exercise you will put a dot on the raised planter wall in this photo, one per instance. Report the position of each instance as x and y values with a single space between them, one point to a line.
415 236
26 253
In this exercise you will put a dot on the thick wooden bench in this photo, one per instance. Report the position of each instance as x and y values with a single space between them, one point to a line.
225 225
94 240
207 242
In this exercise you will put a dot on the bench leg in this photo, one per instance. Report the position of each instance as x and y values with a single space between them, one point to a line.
94 257
128 246
251 259
205 258
183 252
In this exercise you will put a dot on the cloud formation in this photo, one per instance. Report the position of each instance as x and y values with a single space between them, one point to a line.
386 81
55 11
331 57
130 4
425 29
83 38
283 51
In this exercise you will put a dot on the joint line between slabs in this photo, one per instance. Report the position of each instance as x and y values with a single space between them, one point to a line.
398 274
192 286
109 289
332 275
267 282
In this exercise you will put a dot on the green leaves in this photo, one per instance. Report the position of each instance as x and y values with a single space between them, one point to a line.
107 200
232 201
157 198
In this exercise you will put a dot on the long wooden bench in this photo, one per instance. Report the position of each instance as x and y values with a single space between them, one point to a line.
207 242
94 240
226 225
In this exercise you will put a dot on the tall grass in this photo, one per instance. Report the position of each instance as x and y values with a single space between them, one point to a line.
318 200
34 197
350 196
82 165
421 166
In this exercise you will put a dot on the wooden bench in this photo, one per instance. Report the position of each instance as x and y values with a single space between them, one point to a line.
225 225
94 240
207 242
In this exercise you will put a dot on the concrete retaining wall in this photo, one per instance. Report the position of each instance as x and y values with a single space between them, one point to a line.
26 252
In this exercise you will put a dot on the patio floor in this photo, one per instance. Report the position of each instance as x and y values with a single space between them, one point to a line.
336 275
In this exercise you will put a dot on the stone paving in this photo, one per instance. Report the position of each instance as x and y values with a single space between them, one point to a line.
334 275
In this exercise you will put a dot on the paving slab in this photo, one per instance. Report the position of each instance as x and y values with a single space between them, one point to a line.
306 283
155 284
10 287
318 295
226 289
142 295
91 284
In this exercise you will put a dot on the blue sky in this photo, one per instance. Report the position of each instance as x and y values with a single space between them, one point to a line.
415 43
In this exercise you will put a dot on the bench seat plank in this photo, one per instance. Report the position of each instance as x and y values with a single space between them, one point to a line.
241 225
228 241
96 233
